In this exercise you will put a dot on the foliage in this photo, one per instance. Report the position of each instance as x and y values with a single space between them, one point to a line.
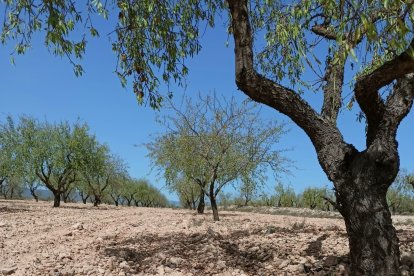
188 192
142 193
214 143
314 198
9 168
400 196
152 40
285 196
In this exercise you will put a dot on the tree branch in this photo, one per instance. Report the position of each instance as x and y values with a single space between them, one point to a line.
398 105
334 77
367 88
270 93
323 31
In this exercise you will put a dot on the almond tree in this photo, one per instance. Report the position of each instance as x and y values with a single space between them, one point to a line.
51 152
275 42
97 169
216 142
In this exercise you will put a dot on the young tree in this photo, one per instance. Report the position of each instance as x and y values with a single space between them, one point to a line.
285 196
116 188
96 167
214 143
248 190
52 154
297 34
188 192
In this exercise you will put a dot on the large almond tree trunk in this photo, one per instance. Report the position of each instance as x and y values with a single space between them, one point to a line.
361 178
361 199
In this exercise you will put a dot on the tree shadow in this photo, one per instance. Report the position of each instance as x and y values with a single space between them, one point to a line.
315 247
14 210
199 253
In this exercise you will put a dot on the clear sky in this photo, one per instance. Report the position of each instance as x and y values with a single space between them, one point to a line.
44 86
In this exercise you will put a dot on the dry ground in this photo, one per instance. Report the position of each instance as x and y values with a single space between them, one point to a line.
77 239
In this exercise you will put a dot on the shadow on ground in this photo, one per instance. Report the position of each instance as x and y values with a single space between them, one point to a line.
210 252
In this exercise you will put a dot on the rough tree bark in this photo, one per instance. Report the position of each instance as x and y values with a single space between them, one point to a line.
213 202
96 201
201 203
361 179
57 195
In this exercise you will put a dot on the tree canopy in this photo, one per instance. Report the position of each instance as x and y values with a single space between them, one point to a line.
213 142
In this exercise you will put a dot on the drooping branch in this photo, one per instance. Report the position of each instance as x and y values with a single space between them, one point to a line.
367 88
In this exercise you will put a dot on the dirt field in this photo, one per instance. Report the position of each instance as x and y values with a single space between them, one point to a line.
77 239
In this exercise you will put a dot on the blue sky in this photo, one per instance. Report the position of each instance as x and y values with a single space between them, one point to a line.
44 86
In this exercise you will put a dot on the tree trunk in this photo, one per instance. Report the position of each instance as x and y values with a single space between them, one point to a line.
201 203
373 241
214 207
33 193
56 202
246 201
213 202
96 201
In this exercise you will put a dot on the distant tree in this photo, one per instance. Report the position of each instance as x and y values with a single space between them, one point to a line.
97 168
216 142
265 199
225 200
83 191
316 198
12 188
248 190
189 192
53 153
284 196
117 187
148 196
400 196
129 191
10 181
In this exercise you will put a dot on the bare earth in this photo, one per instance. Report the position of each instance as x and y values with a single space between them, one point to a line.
77 239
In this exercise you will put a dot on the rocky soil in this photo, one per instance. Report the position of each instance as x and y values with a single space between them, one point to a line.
77 239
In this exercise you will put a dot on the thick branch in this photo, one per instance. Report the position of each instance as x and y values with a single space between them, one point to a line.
325 136
323 31
334 77
398 105
367 88
268 92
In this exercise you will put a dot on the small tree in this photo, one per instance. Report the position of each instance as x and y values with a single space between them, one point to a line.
285 196
214 143
248 190
51 153
189 193
316 198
